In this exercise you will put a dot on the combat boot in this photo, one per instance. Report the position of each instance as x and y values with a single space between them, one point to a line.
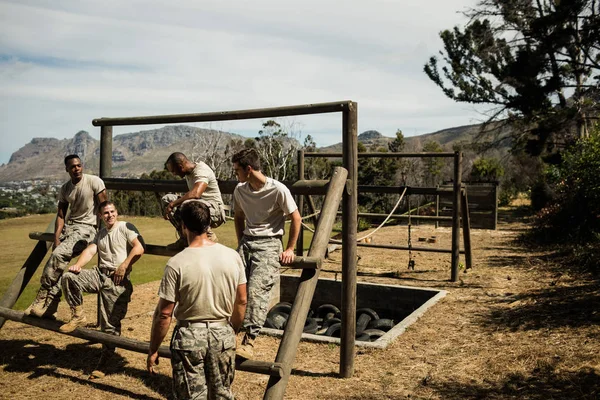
37 307
51 308
246 350
77 319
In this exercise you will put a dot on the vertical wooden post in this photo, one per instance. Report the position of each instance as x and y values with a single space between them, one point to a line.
105 151
456 215
495 212
437 208
300 200
306 288
349 232
466 225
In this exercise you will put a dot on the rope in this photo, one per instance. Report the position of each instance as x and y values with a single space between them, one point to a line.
376 229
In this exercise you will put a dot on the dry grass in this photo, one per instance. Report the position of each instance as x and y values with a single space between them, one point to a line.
519 325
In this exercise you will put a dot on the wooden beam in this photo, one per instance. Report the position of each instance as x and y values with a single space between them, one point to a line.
303 109
466 225
260 367
456 216
306 288
383 155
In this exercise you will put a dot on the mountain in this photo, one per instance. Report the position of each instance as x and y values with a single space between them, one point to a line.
133 153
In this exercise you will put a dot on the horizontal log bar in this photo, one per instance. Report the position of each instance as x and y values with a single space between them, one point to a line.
303 109
383 155
156 250
260 367
413 248
305 187
403 216
400 189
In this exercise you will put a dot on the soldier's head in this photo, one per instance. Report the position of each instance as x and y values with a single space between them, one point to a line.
108 212
195 216
74 167
244 162
176 164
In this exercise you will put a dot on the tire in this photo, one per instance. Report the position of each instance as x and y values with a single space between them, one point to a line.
331 321
310 326
369 311
362 322
374 334
363 337
276 320
383 324
283 307
327 311
334 330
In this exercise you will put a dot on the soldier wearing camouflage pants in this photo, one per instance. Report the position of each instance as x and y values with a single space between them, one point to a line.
119 246
71 235
261 206
202 186
204 286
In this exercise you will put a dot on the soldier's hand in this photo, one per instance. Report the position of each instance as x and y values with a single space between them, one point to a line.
119 274
286 257
152 363
75 269
168 210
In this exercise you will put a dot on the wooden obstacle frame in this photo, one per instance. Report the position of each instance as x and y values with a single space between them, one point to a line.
341 187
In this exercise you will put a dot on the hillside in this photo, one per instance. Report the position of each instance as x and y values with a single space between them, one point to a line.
133 153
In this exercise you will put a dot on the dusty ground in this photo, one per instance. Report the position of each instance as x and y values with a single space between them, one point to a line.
518 325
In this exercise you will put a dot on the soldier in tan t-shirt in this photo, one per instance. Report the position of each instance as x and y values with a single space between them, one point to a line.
203 187
204 286
119 245
72 232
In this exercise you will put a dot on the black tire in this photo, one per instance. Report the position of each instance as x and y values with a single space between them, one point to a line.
327 311
374 334
383 324
362 322
276 320
310 326
363 337
334 330
331 321
283 307
369 311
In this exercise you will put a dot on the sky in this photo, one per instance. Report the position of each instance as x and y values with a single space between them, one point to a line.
62 64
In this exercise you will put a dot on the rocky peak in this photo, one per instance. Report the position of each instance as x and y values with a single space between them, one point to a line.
369 135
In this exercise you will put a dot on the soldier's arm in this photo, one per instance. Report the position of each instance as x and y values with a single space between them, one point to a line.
239 220
195 193
160 326
136 252
288 254
59 224
239 307
84 258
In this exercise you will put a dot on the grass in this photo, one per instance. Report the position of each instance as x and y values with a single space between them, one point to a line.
17 246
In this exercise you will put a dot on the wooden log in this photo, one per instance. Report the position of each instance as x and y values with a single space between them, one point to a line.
106 140
456 216
304 109
466 225
300 202
403 216
24 275
306 288
349 233
413 248
383 155
261 367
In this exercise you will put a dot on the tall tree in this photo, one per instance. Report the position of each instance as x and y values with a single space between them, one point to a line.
277 149
524 58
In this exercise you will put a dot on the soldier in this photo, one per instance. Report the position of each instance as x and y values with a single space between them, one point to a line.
202 185
119 245
71 236
204 286
261 206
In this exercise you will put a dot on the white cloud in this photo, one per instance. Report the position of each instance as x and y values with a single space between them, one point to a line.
64 63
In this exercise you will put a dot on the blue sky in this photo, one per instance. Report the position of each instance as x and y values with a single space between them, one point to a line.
62 65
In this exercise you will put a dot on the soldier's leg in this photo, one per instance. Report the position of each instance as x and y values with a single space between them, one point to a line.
173 217
188 353
220 362
73 286
262 272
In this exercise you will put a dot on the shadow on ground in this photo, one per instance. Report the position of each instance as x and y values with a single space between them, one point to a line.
542 383
44 359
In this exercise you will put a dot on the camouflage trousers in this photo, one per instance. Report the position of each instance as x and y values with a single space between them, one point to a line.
74 239
203 361
261 259
114 299
217 213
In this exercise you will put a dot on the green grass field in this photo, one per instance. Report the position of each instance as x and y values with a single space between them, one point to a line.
16 247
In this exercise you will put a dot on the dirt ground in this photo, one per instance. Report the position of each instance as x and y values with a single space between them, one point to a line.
520 324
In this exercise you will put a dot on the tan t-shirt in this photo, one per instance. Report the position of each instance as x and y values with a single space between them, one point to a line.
265 209
203 282
203 173
112 244
82 198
